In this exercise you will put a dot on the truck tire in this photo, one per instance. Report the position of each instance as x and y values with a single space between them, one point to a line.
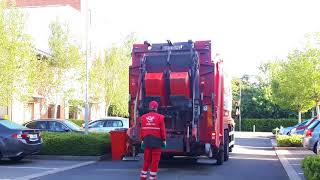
226 145
220 156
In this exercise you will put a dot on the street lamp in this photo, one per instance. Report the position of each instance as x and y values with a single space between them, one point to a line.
239 105
86 115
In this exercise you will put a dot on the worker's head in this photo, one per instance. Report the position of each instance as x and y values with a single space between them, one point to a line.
153 106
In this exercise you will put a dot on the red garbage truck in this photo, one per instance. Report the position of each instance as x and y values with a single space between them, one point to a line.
189 88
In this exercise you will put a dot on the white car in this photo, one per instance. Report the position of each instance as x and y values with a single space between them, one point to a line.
108 124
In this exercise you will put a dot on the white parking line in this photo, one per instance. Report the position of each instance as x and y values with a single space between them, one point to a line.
36 175
25 167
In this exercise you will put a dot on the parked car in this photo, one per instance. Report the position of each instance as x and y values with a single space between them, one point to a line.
287 130
17 141
301 128
311 136
54 125
108 124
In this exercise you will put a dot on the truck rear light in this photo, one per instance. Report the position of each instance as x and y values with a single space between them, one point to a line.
309 133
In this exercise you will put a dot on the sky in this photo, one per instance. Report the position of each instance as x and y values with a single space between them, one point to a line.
244 33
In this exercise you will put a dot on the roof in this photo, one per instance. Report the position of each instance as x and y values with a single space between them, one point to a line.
76 4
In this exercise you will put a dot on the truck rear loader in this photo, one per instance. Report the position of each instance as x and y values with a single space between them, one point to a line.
189 88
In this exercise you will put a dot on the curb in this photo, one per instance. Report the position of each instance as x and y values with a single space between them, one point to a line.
292 174
289 148
70 158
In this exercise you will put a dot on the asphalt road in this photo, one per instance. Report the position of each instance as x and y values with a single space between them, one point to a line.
252 159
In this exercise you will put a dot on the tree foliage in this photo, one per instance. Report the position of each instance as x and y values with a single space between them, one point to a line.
16 56
109 78
256 98
58 73
294 82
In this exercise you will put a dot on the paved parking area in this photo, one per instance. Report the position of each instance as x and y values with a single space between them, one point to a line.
291 160
28 169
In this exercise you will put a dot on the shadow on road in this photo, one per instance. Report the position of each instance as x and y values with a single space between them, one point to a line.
8 162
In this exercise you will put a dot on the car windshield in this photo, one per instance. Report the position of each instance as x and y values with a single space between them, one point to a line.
72 125
304 122
314 124
11 125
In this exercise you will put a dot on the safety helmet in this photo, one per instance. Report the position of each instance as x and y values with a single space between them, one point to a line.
153 105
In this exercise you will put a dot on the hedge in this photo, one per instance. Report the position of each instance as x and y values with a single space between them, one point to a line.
75 144
311 167
289 141
264 125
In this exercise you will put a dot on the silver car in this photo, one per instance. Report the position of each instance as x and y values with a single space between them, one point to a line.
108 124
311 136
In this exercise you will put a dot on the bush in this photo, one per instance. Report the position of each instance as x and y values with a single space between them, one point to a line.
289 141
77 122
311 167
265 125
75 144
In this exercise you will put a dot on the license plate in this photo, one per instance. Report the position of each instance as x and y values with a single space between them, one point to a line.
33 137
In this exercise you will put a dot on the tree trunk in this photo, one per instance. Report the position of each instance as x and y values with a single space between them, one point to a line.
299 116
312 112
318 110
55 111
55 108
107 108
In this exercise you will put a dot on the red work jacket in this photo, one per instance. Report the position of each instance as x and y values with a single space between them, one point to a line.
152 124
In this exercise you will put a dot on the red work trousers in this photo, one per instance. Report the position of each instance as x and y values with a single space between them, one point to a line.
151 162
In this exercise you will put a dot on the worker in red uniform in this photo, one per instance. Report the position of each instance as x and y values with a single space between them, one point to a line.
153 136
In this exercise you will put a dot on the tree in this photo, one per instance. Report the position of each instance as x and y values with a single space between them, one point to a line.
313 55
109 78
56 72
256 98
17 60
292 87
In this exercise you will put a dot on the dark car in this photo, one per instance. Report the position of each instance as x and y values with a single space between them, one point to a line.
54 125
17 141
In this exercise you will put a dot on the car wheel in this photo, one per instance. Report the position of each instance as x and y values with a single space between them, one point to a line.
16 159
315 148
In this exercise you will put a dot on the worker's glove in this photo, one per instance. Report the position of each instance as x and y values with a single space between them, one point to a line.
142 145
164 144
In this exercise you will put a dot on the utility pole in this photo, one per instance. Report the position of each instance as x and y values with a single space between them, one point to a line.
240 106
86 116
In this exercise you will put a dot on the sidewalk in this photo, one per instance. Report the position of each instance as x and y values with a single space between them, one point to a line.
290 159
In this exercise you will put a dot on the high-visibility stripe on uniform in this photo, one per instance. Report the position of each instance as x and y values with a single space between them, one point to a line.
153 173
151 178
144 172
153 128
143 176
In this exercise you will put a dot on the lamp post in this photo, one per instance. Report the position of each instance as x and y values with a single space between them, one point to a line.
86 117
239 106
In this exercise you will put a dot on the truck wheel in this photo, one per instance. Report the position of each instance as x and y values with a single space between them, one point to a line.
220 156
230 149
315 147
226 145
